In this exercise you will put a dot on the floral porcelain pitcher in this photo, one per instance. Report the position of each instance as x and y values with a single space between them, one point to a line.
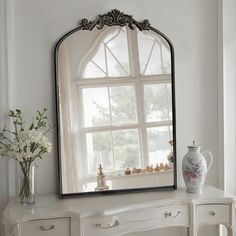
194 167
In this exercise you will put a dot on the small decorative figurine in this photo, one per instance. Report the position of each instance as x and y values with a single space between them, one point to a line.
128 171
162 167
194 167
134 171
166 167
101 180
150 168
157 168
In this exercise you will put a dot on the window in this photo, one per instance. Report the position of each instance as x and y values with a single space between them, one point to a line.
125 95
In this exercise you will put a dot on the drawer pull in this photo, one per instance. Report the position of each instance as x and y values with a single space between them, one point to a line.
43 228
115 224
212 213
169 214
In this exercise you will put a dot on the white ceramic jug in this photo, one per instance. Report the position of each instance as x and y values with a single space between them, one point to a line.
194 168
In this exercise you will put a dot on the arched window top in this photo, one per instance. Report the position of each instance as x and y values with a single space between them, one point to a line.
112 55
154 54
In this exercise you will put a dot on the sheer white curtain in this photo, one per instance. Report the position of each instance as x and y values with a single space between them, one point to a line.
4 190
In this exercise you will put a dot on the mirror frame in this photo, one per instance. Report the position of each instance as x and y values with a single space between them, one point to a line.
114 18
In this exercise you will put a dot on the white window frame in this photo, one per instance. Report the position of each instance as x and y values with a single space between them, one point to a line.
137 80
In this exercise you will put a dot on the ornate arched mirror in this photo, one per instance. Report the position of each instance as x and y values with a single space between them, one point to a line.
116 114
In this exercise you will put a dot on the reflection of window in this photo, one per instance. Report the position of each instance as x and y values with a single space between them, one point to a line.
111 58
125 96
111 105
157 102
154 54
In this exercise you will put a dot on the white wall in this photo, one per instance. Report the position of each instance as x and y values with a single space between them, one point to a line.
190 24
4 193
229 90
226 94
192 27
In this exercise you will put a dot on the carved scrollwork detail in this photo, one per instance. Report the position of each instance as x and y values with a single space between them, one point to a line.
114 17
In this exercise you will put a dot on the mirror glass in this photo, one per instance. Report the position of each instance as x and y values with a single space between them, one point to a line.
115 100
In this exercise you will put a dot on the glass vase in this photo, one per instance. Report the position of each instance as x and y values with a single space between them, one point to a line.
26 191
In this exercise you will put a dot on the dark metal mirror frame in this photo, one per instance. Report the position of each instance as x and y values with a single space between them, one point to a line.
115 18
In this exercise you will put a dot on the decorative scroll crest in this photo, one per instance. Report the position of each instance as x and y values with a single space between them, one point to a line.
114 17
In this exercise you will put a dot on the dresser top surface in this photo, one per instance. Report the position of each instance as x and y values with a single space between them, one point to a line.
51 206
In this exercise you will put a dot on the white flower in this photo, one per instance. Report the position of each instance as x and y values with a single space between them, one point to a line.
26 145
49 147
35 136
46 144
30 144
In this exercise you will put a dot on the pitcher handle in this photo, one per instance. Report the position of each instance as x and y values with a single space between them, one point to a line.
208 154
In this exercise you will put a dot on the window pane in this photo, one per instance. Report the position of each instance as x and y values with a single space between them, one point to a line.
158 144
96 68
126 149
111 58
96 107
166 59
154 65
156 102
117 54
93 71
123 105
99 151
154 54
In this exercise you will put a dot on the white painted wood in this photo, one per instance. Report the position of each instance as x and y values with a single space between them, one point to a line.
46 227
229 98
213 214
121 214
137 220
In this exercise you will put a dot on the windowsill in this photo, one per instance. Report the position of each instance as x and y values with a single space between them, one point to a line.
139 174
119 176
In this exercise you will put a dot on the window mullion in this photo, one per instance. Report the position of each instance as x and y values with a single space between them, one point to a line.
113 152
167 100
105 52
163 78
158 123
111 133
133 52
161 53
109 101
135 65
141 121
81 135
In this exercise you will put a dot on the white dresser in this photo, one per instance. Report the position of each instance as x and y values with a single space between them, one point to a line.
120 214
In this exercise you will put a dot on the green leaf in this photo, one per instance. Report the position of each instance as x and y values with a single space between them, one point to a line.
31 126
12 113
25 148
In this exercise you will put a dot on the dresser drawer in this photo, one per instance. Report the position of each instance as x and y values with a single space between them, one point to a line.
214 214
47 227
136 220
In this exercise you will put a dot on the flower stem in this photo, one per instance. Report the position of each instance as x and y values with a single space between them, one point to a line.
25 192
